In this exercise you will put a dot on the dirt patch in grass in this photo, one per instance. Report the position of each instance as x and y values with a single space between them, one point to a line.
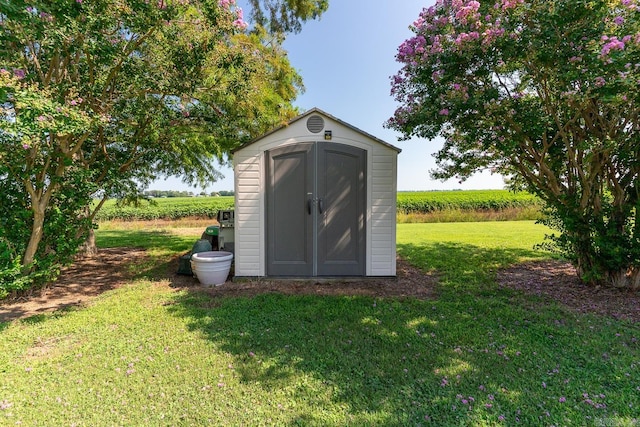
89 277
113 267
77 284
410 282
557 281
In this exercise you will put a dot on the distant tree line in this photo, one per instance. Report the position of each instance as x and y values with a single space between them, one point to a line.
174 193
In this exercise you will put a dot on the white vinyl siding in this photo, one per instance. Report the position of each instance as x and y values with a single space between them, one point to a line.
382 244
249 216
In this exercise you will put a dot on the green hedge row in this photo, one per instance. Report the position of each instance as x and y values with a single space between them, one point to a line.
477 200
408 202
169 208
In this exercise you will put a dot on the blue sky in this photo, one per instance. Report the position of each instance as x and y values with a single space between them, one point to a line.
346 59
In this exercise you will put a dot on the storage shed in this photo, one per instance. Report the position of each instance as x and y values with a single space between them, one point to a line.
315 198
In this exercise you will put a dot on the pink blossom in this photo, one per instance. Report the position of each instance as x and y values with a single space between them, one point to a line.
240 24
468 11
618 20
414 45
26 146
441 21
491 34
600 81
444 112
510 4
19 73
562 399
464 37
436 47
612 44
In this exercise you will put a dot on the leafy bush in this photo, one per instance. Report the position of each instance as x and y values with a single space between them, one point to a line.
61 234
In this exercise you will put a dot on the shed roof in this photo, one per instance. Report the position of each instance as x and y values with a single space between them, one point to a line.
316 110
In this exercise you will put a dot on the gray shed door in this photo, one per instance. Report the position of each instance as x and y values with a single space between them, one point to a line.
316 199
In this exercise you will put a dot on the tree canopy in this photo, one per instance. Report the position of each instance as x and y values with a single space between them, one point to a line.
286 15
545 92
100 97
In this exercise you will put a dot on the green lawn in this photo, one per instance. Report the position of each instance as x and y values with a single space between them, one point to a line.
478 355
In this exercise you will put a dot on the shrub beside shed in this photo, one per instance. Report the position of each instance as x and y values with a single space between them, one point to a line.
315 198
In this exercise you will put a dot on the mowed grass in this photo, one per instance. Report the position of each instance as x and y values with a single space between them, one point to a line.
479 355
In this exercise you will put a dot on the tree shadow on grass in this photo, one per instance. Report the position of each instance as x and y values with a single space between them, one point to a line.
402 361
465 268
355 349
161 246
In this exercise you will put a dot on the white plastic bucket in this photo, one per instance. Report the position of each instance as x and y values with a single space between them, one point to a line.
211 267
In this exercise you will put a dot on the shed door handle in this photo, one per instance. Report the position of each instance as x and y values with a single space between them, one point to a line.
320 205
309 205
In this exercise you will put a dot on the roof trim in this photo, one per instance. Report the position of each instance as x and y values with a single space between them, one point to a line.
316 110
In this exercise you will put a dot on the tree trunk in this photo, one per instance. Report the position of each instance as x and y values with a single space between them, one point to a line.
595 274
628 278
37 231
89 248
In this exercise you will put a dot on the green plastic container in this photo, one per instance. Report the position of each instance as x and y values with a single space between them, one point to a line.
212 230
201 245
184 266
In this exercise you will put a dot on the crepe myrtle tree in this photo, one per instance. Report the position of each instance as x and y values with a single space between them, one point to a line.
98 98
547 93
